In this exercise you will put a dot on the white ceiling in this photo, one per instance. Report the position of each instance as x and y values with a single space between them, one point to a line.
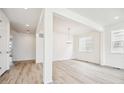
61 24
102 16
19 17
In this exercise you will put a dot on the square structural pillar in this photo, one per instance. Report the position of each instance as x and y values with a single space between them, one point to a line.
48 46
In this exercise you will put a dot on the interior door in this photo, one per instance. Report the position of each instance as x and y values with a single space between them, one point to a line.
3 47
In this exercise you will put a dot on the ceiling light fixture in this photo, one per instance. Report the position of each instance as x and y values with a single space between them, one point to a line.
27 25
116 17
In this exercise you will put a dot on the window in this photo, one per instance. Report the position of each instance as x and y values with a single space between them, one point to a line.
85 44
117 41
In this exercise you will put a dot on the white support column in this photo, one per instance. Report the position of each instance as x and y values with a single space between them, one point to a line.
48 46
102 48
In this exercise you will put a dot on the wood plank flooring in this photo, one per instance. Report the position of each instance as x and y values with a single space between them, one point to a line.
23 73
77 72
64 72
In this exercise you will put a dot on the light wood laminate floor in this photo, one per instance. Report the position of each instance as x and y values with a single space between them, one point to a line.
23 73
64 72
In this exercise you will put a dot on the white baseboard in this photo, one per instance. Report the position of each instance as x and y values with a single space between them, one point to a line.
30 60
48 82
61 60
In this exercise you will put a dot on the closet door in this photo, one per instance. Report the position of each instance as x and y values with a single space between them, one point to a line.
3 46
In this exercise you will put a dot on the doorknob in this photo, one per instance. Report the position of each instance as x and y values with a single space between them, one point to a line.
0 52
0 36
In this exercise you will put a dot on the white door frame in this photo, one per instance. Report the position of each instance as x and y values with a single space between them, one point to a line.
48 36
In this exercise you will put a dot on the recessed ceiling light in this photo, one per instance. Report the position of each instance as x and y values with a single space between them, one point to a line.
116 17
27 25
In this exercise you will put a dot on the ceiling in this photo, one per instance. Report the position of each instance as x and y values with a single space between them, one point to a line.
102 16
23 20
26 20
62 24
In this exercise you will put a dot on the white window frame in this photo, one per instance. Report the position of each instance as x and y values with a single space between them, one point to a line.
85 44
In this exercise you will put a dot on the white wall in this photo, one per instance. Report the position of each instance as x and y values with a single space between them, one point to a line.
39 48
23 46
93 56
40 40
113 59
61 50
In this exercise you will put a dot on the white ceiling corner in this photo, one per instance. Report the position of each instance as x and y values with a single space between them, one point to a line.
101 16
19 17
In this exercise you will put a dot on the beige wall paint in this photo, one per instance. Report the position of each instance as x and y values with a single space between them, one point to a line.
88 56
